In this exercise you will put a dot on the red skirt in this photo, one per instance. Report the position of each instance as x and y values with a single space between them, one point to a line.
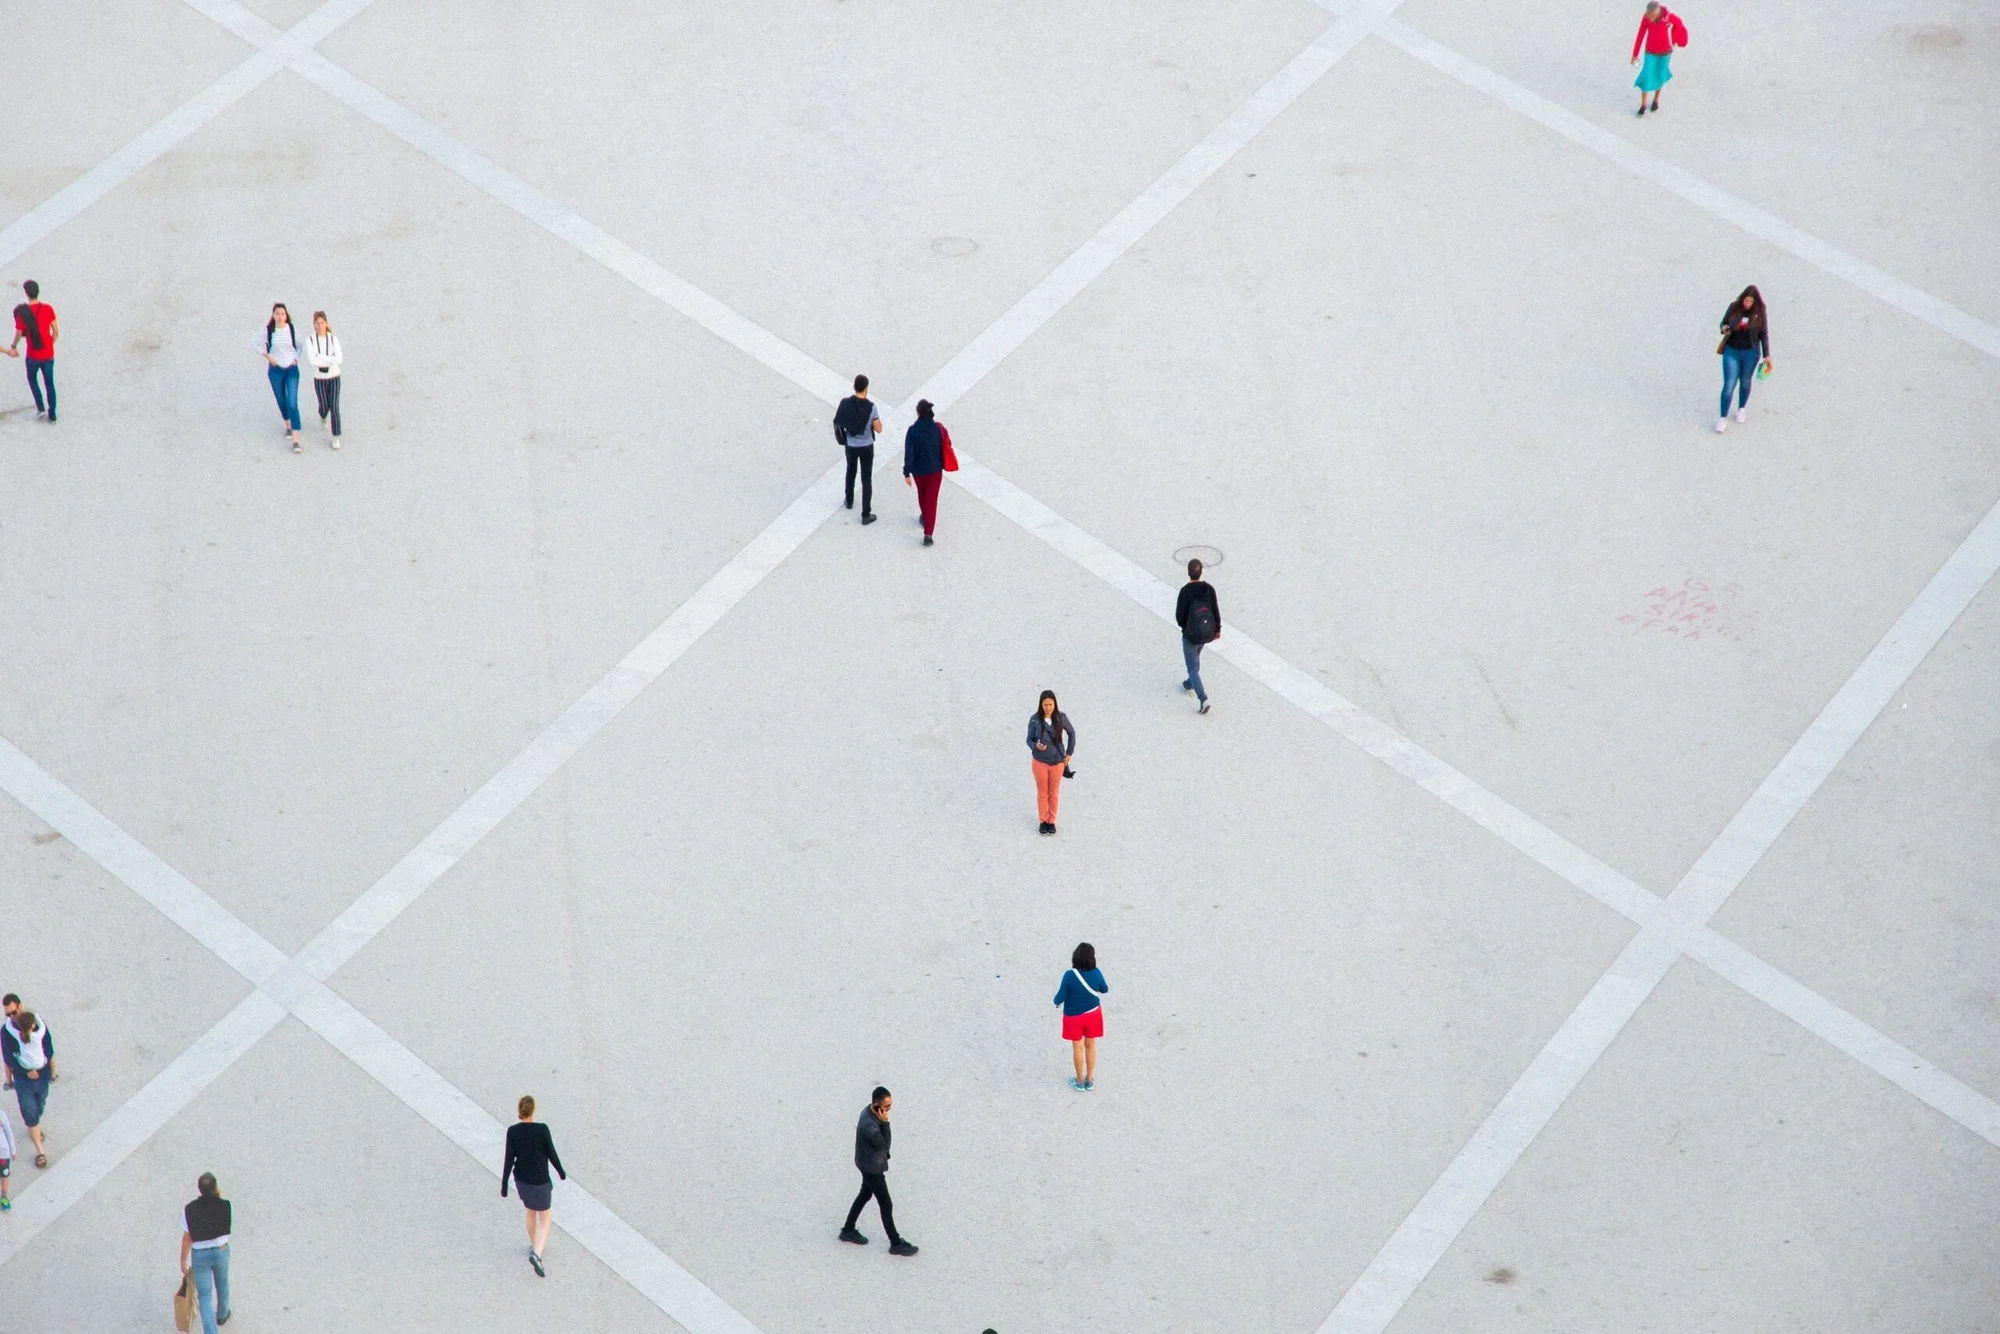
1087 1025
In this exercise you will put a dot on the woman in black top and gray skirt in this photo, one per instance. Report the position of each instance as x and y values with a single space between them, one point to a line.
531 1151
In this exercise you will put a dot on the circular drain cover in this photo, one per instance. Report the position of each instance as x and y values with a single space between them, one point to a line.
954 247
1210 557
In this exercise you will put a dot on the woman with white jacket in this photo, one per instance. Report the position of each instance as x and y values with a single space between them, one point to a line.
324 349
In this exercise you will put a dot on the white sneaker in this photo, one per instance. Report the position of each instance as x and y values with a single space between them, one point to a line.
1721 425
1739 414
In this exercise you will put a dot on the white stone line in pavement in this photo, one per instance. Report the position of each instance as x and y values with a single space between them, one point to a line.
178 124
1109 244
71 1176
506 790
1938 313
490 177
287 988
1401 1266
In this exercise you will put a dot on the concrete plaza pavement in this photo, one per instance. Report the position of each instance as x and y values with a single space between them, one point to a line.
1437 384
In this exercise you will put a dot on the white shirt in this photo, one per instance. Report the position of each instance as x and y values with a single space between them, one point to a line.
325 356
6 1137
32 1055
279 347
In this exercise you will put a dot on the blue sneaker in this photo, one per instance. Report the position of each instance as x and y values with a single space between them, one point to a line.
1089 1084
1076 1083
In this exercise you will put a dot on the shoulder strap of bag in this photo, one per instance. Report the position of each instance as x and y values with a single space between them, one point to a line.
1086 983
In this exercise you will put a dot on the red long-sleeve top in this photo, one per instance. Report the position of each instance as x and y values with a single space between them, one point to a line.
1656 35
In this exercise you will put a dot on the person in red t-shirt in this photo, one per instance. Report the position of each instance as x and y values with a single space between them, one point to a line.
1660 31
35 324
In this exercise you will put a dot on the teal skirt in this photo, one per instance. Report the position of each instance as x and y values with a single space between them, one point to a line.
1653 74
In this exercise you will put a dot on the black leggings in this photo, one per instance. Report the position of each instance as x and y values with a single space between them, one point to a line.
874 1183
864 455
328 394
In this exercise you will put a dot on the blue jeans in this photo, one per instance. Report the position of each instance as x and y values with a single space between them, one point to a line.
47 370
1191 654
211 1280
285 388
33 1095
1739 368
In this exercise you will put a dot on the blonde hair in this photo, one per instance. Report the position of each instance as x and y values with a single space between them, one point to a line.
527 1105
321 315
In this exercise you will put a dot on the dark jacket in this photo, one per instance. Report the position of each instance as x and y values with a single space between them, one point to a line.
1051 735
853 422
1192 592
923 449
531 1151
1743 332
871 1143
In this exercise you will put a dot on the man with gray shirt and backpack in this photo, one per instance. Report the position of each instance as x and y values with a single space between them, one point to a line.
855 426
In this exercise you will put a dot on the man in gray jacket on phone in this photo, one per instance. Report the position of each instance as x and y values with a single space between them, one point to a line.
871 1155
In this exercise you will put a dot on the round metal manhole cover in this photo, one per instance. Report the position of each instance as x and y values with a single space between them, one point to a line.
954 247
1210 557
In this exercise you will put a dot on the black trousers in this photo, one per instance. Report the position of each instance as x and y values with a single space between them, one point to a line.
328 394
864 455
877 1185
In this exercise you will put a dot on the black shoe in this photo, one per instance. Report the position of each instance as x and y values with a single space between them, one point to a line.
223 1319
848 503
852 1235
929 540
1043 827
1052 827
901 1247
1642 108
867 518
536 1261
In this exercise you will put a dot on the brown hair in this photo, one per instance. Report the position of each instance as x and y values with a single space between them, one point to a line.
527 1105
24 1024
206 1185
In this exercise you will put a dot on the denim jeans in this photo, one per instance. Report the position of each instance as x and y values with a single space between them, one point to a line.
33 1095
211 1284
1191 653
47 370
285 388
1739 367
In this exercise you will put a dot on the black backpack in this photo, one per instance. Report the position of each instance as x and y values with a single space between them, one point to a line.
1201 623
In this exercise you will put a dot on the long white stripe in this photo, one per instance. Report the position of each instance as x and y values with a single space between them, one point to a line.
72 1174
1934 311
1109 244
1396 1272
507 789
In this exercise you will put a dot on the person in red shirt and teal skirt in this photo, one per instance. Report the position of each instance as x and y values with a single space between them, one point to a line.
1660 31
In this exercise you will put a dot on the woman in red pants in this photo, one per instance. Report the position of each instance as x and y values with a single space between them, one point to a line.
923 463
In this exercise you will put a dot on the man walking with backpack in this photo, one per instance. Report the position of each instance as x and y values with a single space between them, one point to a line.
35 323
1200 619
1660 31
855 426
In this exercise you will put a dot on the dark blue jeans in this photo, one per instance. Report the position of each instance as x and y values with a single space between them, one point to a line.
33 1095
1191 654
285 388
47 370
1739 368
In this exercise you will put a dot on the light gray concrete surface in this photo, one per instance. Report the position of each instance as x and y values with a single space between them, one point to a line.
1436 381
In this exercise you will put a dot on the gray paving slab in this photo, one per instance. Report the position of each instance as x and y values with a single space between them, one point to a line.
346 1208
1869 132
1436 381
1460 484
1880 895
822 167
122 991
85 80
280 672
732 920
1722 1170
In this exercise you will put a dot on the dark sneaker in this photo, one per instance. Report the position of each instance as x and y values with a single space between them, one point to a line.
929 541
901 1247
1089 1084
867 519
853 1235
536 1261
848 503
1203 708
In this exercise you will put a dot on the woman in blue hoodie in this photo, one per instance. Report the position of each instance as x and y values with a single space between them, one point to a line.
923 463
1083 1013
